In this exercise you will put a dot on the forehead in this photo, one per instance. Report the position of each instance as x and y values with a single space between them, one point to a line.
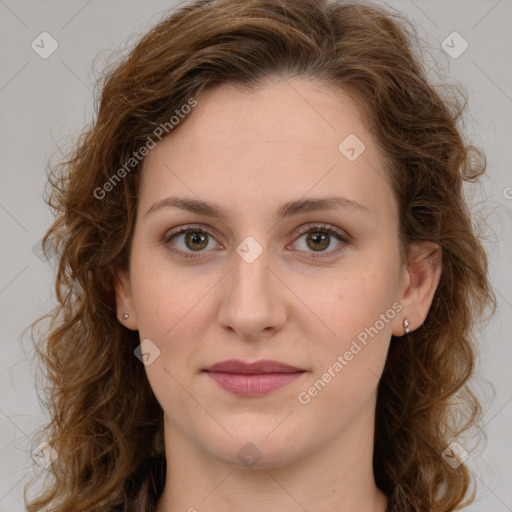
281 111
276 142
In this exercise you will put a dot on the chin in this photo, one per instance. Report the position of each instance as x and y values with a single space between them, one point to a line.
258 449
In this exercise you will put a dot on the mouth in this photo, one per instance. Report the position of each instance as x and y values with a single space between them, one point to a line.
253 379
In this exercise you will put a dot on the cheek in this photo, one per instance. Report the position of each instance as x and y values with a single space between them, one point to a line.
173 311
164 295
358 311
357 300
350 359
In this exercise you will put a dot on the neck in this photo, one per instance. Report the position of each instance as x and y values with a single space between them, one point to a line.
339 476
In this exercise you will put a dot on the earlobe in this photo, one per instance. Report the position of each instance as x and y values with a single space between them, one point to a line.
423 274
124 301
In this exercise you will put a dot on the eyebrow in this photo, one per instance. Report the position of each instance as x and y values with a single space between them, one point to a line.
286 210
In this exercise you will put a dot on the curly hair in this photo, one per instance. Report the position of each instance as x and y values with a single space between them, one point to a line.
106 424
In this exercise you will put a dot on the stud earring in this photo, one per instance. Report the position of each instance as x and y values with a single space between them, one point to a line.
125 316
406 325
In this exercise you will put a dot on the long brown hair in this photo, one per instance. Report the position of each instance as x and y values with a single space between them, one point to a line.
106 425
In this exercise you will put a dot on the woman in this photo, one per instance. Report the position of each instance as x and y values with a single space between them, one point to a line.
268 277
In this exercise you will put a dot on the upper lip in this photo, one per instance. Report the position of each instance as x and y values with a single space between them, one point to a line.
265 366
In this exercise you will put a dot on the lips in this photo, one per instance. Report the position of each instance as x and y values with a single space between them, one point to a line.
241 367
253 379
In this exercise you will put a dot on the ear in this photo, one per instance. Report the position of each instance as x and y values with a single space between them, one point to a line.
419 283
124 300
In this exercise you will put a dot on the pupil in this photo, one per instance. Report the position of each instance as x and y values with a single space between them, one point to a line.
319 237
196 238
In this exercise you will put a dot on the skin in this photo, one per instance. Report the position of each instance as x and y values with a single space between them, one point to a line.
250 152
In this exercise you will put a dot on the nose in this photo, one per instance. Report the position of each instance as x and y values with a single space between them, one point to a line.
253 296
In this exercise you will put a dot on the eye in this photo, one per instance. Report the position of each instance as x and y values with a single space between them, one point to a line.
197 239
320 237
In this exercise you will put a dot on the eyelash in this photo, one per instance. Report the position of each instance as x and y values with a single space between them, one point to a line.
324 228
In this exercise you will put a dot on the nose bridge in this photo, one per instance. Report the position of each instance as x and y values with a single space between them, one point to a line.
249 304
251 274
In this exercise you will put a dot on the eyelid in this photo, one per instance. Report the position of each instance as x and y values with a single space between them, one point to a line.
190 227
321 226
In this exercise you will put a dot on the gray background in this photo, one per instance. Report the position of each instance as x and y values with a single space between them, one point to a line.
46 102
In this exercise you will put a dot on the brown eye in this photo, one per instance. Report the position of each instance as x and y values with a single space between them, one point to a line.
320 237
195 240
318 241
189 239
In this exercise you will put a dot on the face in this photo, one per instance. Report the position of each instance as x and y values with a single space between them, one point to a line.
319 289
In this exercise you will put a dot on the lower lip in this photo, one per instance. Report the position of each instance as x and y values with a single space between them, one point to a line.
253 384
